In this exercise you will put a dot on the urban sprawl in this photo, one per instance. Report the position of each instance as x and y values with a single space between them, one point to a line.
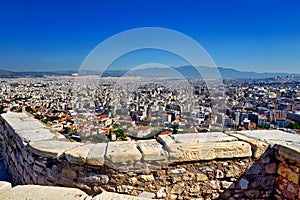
95 109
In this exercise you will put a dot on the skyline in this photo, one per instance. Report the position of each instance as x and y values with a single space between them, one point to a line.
247 36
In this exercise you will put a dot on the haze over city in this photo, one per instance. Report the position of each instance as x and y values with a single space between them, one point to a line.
260 36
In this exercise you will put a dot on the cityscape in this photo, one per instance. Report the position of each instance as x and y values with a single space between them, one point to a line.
140 109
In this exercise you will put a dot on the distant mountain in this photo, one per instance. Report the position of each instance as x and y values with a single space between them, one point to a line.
191 72
11 74
229 73
183 71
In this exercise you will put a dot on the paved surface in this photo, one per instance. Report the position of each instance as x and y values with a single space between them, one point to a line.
272 135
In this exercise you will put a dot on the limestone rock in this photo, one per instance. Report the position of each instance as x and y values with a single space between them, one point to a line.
148 195
114 196
4 186
51 149
161 193
234 171
96 155
201 177
152 150
122 152
36 192
79 154
178 188
182 149
147 178
258 147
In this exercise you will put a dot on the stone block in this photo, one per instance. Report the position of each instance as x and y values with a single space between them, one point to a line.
243 183
51 149
182 149
96 155
152 150
94 179
78 155
36 192
258 146
113 196
122 152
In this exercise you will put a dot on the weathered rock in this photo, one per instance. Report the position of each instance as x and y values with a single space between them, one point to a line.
148 195
178 188
51 149
161 193
258 147
132 181
227 184
267 182
36 192
201 177
122 152
204 147
213 184
96 155
114 196
126 189
4 186
234 171
94 179
79 154
152 150
195 188
243 183
254 169
290 151
147 178
188 176
219 174
285 171
205 169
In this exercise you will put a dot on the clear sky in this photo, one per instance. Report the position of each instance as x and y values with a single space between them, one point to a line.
248 35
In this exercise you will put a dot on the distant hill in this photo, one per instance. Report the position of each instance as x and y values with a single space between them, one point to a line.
11 74
185 71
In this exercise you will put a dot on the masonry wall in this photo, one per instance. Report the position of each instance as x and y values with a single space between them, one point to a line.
232 166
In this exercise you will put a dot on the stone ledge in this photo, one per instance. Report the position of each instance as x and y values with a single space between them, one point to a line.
114 196
152 150
78 155
258 147
51 148
96 156
122 152
166 149
37 192
4 186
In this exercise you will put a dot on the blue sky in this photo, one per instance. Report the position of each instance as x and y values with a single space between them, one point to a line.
57 35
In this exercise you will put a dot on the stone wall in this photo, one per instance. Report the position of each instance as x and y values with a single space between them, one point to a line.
189 166
288 173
